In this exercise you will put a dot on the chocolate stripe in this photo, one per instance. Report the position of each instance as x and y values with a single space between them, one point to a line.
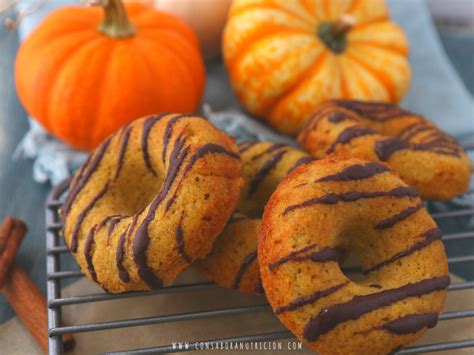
299 162
249 259
421 127
119 256
206 149
179 236
291 256
377 111
427 238
269 150
147 126
168 131
113 223
330 317
243 147
83 215
305 300
356 172
391 221
122 150
92 166
340 116
387 147
202 151
411 323
269 164
330 199
348 135
88 252
320 256
142 239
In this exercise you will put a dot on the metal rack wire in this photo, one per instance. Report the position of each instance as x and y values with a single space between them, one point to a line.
56 247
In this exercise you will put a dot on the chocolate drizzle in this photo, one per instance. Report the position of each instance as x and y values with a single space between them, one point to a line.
249 259
113 223
91 166
202 151
330 317
330 199
356 172
270 149
349 134
387 147
122 150
142 239
88 252
119 256
339 116
147 126
179 235
391 221
320 256
269 164
205 149
168 131
299 162
308 299
411 323
427 238
377 111
83 215
244 146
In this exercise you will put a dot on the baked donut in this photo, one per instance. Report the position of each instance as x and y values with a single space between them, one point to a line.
232 262
150 200
337 205
419 152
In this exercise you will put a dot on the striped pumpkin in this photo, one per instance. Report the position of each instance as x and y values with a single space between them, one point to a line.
284 57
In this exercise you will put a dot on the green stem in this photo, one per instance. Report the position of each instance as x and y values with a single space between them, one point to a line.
115 23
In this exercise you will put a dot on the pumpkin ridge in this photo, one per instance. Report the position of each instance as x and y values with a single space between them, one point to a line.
309 72
396 50
59 128
316 67
281 64
193 69
196 86
342 80
309 10
46 99
37 107
261 7
103 82
248 47
379 75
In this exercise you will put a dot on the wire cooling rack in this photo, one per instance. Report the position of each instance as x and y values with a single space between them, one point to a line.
448 214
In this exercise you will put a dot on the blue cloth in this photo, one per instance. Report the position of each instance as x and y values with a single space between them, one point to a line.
436 91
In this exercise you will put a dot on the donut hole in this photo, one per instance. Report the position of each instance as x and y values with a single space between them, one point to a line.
351 266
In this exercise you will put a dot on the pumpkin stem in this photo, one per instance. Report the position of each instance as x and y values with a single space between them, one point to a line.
115 23
333 34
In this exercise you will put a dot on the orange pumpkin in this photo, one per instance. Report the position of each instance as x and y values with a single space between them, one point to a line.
285 57
82 74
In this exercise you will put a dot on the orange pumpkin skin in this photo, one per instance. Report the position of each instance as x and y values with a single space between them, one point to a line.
281 66
81 84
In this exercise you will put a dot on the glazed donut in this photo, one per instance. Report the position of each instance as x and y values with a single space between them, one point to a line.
337 205
150 200
419 152
232 262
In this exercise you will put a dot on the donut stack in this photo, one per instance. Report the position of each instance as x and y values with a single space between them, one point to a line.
171 190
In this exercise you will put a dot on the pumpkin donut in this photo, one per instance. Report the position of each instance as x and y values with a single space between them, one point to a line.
151 200
418 151
232 262
337 205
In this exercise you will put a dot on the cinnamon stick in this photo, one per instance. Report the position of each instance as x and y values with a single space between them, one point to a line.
19 290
